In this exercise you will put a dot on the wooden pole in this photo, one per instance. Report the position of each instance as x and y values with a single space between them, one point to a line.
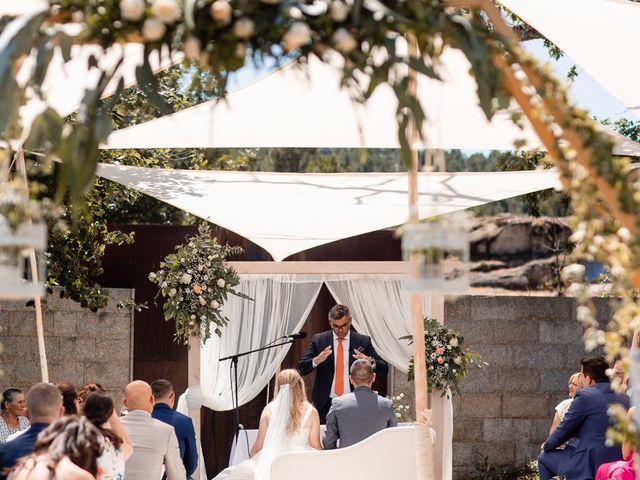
424 445
44 368
194 382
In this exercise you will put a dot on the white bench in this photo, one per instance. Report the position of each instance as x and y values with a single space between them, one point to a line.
389 454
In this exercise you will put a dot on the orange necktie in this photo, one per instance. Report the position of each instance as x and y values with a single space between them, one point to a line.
340 368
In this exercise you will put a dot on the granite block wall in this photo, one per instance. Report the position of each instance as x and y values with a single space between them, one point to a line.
81 346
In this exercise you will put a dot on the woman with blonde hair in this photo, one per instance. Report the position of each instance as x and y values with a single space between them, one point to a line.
288 423
575 384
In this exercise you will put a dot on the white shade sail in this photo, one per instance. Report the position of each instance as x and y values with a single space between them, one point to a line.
296 108
66 83
286 213
602 36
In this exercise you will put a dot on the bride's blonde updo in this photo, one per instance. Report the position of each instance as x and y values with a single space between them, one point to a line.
292 378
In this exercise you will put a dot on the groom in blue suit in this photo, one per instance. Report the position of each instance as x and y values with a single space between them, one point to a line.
324 353
583 429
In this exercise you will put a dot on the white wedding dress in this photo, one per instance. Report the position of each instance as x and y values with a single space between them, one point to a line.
277 441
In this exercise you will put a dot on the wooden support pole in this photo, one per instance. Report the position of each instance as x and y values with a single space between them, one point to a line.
44 368
193 373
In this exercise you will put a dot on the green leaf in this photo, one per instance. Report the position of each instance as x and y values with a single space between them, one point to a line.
45 132
149 85
43 58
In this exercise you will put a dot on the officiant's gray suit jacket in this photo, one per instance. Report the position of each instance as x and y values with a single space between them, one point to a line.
356 416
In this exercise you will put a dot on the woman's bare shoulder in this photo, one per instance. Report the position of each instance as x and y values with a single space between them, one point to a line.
70 471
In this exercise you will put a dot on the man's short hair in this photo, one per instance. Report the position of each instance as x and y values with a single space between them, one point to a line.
161 388
361 371
595 367
43 400
339 311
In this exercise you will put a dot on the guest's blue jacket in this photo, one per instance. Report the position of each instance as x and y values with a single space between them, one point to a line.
184 431
11 452
585 425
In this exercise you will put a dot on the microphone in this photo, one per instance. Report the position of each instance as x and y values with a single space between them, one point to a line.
297 336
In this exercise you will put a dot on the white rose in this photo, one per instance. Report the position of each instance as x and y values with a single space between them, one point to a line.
453 342
298 34
132 10
192 317
573 273
172 292
220 12
166 10
457 360
583 313
244 28
152 31
338 11
185 278
192 48
215 305
152 277
398 415
221 283
624 234
343 41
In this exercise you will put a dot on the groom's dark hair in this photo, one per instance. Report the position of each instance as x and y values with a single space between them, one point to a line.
338 311
361 372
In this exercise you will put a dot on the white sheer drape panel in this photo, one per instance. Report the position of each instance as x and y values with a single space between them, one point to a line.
280 306
381 308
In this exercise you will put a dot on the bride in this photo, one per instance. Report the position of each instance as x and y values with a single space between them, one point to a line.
288 423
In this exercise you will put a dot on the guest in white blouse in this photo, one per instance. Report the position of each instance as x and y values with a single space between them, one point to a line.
12 419
575 384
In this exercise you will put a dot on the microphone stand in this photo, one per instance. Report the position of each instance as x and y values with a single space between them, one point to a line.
234 366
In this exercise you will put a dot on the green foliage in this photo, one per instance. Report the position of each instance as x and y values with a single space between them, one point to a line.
486 471
446 360
194 283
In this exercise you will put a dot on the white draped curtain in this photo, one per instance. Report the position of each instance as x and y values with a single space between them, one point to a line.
381 308
280 306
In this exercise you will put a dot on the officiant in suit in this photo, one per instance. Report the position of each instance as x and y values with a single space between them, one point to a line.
331 354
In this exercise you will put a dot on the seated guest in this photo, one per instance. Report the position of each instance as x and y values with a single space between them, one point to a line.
116 447
622 469
154 442
575 384
165 397
43 407
12 419
587 420
66 449
70 398
87 390
359 414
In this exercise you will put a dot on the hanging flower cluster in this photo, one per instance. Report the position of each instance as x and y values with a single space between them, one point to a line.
446 360
195 282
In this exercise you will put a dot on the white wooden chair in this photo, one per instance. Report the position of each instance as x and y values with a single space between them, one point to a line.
389 454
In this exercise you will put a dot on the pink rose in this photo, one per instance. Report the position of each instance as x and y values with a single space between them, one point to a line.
197 289
202 301
200 268
440 360
439 351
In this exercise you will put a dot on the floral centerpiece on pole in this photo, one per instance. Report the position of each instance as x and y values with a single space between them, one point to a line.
195 282
447 361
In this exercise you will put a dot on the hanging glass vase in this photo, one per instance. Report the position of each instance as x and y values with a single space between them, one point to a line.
437 254
23 237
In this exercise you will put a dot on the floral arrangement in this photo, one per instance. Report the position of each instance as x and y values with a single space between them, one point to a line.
447 361
195 283
401 410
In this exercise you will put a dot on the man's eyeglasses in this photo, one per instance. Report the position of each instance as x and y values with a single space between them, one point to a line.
341 327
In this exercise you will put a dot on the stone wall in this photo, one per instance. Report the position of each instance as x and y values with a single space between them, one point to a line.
81 346
532 344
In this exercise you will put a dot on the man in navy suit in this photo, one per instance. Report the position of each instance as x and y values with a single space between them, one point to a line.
43 407
583 429
165 397
331 354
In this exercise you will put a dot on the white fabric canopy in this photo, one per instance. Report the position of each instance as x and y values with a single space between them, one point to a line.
280 306
65 83
296 108
601 36
20 7
286 213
